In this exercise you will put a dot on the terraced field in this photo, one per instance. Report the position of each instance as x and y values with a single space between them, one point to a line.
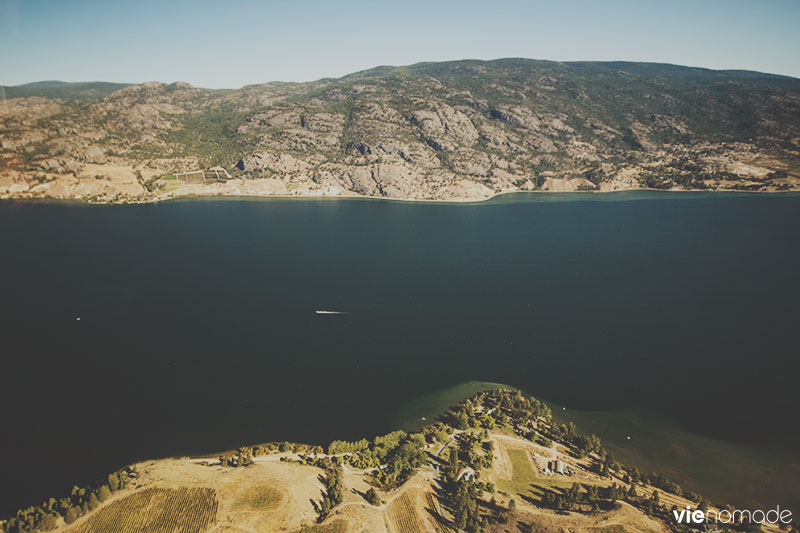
155 510
403 515
434 508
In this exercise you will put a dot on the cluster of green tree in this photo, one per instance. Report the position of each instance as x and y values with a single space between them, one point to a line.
242 457
519 407
339 446
80 501
475 450
463 495
292 447
499 514
528 417
533 419
394 456
245 456
465 416
500 407
372 497
266 449
400 460
603 462
653 504
333 493
583 445
589 498
464 503
605 465
631 475
303 459
439 432
661 482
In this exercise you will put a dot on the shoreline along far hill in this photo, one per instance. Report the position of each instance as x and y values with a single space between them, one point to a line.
463 130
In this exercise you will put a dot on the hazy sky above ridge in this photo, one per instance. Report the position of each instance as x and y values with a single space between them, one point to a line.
231 44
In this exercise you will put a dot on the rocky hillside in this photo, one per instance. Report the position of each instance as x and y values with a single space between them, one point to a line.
456 130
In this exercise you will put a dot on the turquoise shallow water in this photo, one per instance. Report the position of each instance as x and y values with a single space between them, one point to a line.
198 330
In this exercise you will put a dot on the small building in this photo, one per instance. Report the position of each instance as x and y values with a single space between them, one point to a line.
466 473
557 466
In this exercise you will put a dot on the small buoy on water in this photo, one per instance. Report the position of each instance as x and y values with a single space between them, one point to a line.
78 319
423 418
629 438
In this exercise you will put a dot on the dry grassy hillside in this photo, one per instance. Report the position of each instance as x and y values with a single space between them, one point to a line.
447 131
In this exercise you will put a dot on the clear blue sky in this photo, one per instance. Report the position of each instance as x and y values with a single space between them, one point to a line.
229 44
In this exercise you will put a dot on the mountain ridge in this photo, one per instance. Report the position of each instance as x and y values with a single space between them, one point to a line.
47 84
456 130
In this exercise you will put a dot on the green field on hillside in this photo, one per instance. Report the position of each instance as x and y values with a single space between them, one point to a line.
719 470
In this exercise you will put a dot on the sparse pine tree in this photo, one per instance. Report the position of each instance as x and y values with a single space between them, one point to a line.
47 522
372 497
103 493
71 515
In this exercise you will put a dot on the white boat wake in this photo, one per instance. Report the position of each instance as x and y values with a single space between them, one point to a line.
321 312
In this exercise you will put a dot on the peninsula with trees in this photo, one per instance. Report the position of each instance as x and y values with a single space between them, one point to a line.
497 461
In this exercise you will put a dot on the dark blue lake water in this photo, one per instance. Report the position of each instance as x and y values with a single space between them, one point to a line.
198 330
